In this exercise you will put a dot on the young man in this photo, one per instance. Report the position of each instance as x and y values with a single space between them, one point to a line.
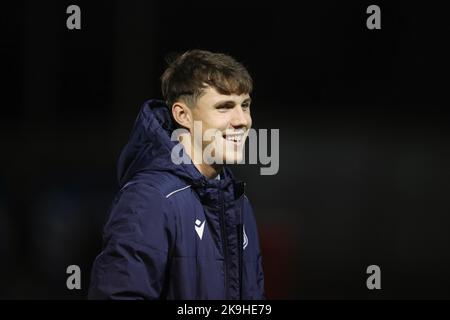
184 229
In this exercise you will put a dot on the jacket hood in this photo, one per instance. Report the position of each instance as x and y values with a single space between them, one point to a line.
149 149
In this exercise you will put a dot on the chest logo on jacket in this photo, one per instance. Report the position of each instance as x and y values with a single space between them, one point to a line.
199 227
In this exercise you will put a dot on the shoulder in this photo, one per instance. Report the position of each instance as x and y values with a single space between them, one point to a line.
164 184
140 212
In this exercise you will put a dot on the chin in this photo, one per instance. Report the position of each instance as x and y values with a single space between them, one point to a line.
233 158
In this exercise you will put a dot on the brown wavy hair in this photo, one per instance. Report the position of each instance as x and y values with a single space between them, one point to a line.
188 74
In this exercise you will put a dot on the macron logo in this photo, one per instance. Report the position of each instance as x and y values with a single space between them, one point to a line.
199 227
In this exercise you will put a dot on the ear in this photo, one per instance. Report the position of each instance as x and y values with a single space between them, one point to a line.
182 115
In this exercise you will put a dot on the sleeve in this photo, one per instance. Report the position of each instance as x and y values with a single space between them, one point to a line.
260 273
137 241
260 293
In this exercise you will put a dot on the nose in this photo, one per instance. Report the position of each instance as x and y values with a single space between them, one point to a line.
239 118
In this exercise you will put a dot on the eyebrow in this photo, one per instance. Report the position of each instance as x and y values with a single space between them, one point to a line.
232 102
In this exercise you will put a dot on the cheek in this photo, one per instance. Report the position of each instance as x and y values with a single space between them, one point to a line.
216 121
249 120
221 124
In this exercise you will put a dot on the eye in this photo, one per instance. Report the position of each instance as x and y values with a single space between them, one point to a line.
224 107
245 105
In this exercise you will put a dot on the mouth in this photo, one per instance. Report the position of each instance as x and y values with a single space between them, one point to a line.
235 137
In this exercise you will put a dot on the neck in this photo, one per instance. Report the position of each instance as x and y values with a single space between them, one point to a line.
210 171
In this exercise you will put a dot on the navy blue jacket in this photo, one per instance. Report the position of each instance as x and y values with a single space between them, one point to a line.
172 233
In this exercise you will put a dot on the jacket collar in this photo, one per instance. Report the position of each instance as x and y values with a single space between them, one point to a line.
149 149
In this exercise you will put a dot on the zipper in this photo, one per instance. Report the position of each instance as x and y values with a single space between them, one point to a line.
224 242
240 249
241 242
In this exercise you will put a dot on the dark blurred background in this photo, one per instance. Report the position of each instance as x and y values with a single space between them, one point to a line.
364 136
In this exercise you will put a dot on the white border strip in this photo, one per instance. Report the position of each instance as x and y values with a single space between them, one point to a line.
177 191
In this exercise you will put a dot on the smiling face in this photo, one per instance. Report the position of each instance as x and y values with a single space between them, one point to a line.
225 117
224 120
211 89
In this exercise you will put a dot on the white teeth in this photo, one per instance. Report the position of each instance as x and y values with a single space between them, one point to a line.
234 138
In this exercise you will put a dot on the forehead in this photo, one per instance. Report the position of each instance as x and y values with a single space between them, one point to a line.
210 95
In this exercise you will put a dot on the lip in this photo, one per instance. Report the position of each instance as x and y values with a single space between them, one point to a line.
234 137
